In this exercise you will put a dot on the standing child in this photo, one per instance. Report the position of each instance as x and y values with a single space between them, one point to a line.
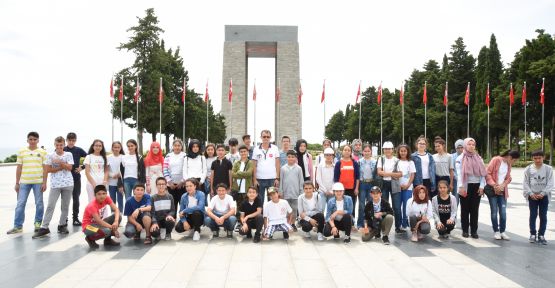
115 181
173 171
291 182
251 212
324 174
233 154
444 163
210 156
221 170
347 172
96 167
304 159
132 168
154 162
77 153
445 210
419 211
367 169
425 166
242 176
400 200
194 165
285 144
277 215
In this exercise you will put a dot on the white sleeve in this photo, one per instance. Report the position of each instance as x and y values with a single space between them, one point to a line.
458 170
203 169
185 168
429 212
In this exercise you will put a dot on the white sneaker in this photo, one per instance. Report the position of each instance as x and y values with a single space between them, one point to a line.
320 237
497 236
307 234
505 236
196 236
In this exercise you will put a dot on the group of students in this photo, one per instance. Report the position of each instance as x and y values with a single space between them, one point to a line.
267 189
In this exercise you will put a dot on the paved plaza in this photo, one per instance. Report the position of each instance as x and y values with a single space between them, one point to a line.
65 260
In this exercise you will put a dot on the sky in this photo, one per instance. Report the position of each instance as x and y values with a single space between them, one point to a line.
57 57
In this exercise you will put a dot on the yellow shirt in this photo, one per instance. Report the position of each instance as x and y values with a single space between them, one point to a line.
31 162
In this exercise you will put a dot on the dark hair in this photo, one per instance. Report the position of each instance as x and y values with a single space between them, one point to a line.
221 185
421 137
194 182
514 154
253 188
99 188
242 147
71 136
265 131
102 152
439 140
33 134
120 152
367 146
246 136
206 148
308 183
139 184
417 190
220 146
232 142
538 152
444 182
59 139
161 178
285 137
375 188
132 141
408 151
292 152
326 140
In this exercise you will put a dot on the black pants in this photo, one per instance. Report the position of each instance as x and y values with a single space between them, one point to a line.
195 220
239 199
163 223
176 194
253 223
76 193
470 206
428 184
447 228
319 217
345 224
351 192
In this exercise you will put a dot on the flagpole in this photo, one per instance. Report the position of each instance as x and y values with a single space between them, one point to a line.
446 114
425 111
254 100
510 116
468 113
231 110
184 101
402 112
489 154
359 111
543 113
381 117
207 120
324 109
112 103
121 112
160 101
137 105
278 94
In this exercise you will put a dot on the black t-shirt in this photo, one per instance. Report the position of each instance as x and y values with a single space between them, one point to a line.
249 208
221 171
444 209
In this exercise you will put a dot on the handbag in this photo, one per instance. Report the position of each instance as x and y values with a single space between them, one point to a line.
395 183
377 180
489 191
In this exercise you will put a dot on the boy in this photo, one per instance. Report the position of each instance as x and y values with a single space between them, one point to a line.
242 176
291 182
247 141
137 210
221 169
277 215
251 215
221 212
233 154
285 144
537 186
58 164
94 226
378 216
77 154
31 174
311 210
163 213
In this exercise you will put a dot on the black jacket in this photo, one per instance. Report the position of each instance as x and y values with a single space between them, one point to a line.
369 210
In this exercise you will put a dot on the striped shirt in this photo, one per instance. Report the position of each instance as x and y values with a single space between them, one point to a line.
32 162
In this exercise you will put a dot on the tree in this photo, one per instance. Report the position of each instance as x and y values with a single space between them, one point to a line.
336 126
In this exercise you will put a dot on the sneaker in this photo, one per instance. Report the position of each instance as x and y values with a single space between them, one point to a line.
378 236
92 243
497 235
446 236
216 234
385 240
532 239
230 234
110 242
475 236
505 236
148 240
37 226
347 240
295 228
414 237
62 229
237 227
76 222
14 230
196 236
321 237
465 234
249 235
336 236
541 240
420 235
168 237
286 235
307 234
256 239
399 230
42 232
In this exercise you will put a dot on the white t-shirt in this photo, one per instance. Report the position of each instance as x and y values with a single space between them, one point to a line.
175 166
388 165
241 182
192 202
340 205
130 164
277 212
265 161
233 157
62 178
425 165
406 167
221 206
502 173
114 162
311 203
96 164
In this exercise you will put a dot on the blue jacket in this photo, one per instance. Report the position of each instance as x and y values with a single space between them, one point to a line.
418 165
185 202
347 206
337 172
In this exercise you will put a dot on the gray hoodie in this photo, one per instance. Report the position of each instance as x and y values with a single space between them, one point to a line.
291 181
538 181
319 208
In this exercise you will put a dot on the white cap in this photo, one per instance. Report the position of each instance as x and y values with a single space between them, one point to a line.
338 186
387 144
328 151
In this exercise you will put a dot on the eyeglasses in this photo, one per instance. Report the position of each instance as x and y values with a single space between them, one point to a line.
266 137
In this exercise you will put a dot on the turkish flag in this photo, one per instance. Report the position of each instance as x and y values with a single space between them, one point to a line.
511 96
542 93
121 91
445 100
230 94
380 94
425 97
467 95
323 93
524 94
487 96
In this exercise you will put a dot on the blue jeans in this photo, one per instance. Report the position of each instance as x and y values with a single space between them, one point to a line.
396 199
22 195
498 203
117 197
206 192
128 184
405 196
455 190
386 190
229 223
534 206
363 196
264 184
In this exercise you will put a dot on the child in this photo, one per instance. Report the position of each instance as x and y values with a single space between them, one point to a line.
94 226
163 212
285 143
291 182
419 211
251 212
154 162
367 171
115 182
194 165
132 168
537 186
311 210
221 169
347 172
137 210
242 173
96 167
210 155
221 212
233 154
173 171
444 210
378 216
338 215
191 209
324 174
277 214
77 153
407 169
304 159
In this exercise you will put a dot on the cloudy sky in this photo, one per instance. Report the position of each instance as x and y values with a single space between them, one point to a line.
57 57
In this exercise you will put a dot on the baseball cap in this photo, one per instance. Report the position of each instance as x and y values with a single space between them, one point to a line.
387 144
328 151
338 186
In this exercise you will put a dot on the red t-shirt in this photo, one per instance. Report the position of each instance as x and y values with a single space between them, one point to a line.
95 208
347 176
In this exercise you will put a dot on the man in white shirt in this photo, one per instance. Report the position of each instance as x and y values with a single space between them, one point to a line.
266 170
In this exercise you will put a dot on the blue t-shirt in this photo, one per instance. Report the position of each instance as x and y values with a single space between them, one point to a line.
131 204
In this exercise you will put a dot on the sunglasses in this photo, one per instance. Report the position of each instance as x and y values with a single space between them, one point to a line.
266 137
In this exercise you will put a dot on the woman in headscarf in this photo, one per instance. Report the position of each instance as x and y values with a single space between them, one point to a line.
154 162
471 175
304 159
194 165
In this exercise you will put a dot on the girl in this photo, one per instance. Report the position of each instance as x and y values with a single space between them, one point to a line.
498 177
153 164
445 210
210 155
191 209
419 212
132 168
115 183
367 167
443 163
96 167
425 166
386 164
304 159
194 165
471 179
324 174
173 171
347 173
408 170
